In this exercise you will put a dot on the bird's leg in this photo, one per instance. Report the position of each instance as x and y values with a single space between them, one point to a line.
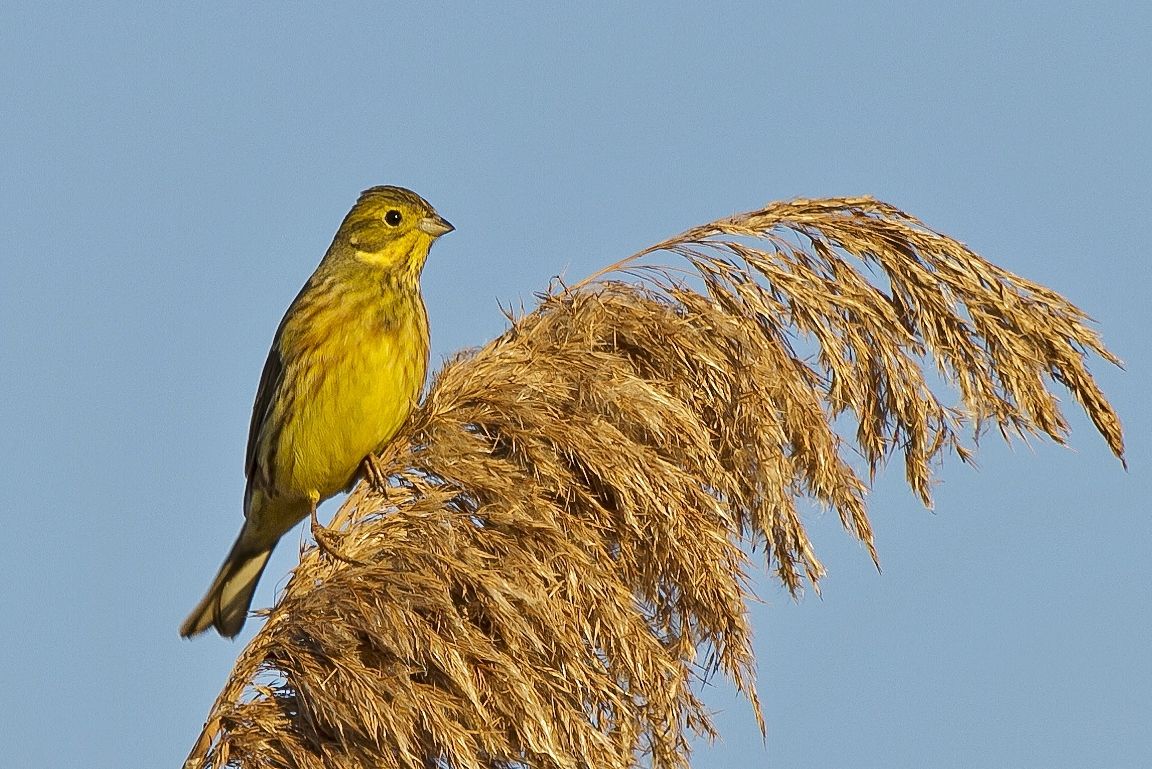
375 473
324 539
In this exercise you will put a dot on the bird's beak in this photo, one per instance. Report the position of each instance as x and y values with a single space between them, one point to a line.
435 225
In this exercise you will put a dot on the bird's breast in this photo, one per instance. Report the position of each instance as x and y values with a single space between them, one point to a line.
358 377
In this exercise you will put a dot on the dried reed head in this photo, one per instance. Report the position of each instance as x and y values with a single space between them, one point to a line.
554 553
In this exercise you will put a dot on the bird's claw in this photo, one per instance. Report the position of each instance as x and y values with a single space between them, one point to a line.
326 543
375 473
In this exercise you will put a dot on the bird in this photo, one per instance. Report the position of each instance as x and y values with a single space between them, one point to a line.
346 368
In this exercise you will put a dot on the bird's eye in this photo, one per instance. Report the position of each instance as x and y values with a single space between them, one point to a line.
393 218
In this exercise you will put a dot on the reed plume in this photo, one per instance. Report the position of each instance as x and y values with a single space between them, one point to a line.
555 548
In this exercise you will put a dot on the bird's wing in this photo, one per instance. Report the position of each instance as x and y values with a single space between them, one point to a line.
270 381
265 396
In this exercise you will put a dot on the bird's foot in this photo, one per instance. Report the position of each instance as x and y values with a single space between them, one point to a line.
375 473
326 542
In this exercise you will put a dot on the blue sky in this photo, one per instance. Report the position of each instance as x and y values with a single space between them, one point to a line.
170 176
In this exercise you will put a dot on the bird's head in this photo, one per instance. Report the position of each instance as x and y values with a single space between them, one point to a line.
391 228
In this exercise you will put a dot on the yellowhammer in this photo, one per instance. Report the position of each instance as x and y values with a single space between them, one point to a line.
345 369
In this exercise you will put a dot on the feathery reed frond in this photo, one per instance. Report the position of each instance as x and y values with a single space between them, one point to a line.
555 555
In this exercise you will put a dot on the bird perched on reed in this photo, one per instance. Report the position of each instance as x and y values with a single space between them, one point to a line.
346 367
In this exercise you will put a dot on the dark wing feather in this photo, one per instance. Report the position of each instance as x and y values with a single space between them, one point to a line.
265 396
270 382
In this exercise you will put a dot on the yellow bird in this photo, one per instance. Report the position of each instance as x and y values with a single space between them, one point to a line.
345 369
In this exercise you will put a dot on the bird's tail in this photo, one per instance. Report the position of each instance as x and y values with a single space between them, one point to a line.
225 606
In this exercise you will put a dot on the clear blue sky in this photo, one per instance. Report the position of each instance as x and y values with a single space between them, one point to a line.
169 177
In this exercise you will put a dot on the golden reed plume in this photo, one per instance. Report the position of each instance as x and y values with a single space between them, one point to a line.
553 551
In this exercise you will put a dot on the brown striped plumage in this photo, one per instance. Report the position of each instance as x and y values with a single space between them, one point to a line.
345 369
